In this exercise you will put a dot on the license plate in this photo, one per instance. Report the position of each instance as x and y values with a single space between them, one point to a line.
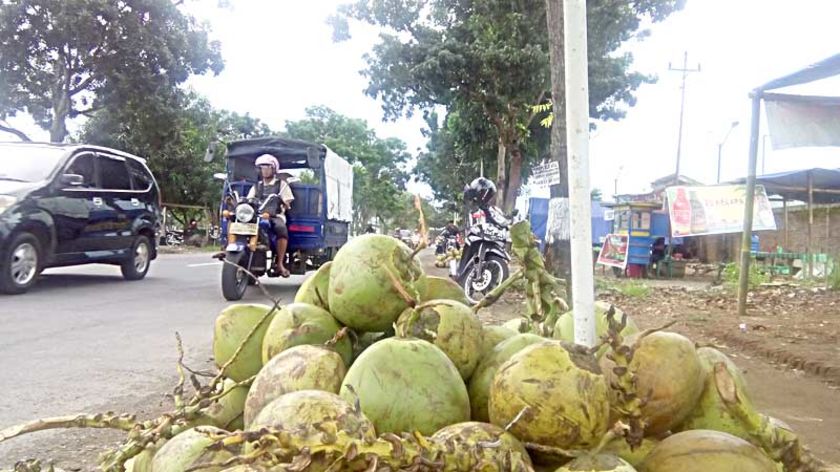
243 228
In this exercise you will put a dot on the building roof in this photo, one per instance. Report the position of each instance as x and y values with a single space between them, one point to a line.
793 185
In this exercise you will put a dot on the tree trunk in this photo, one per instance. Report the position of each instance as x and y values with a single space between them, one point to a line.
558 255
515 177
501 170
61 109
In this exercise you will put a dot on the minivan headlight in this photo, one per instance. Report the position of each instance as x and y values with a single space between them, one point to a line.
6 201
244 213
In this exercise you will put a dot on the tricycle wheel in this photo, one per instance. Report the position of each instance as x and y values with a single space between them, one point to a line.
234 280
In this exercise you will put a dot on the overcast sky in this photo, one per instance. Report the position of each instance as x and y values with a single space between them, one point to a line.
280 59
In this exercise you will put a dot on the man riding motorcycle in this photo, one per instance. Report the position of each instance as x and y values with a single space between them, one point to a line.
480 193
449 231
272 184
484 264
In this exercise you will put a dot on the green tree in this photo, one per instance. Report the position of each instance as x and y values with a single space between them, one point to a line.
405 216
60 59
379 177
174 140
490 58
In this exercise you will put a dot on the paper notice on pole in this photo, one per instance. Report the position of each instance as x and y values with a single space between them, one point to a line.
558 225
545 174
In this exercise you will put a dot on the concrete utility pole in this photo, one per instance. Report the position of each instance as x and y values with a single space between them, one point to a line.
685 71
577 137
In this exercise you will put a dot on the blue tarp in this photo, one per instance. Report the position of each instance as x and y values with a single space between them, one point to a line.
538 216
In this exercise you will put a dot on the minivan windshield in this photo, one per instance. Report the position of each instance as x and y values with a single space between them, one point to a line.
28 163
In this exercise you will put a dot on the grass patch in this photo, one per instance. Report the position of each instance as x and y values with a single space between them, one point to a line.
634 289
732 272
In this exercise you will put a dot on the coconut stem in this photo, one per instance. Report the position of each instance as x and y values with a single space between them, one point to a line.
542 290
103 421
400 288
498 291
628 402
780 443
272 448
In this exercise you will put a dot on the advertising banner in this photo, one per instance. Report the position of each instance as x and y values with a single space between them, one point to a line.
696 211
614 251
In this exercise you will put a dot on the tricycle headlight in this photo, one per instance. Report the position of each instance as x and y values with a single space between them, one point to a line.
6 201
244 213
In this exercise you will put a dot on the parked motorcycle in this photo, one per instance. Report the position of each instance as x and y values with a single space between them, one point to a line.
173 237
485 261
252 247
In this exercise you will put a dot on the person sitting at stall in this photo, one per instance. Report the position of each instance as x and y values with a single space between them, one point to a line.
271 183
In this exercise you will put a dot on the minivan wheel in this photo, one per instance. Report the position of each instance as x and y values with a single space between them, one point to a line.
20 264
137 264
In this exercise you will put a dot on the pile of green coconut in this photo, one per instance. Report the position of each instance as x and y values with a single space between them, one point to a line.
377 366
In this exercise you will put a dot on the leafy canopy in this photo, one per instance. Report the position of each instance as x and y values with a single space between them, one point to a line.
64 58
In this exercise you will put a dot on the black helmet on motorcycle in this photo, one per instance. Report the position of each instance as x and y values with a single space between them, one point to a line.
480 191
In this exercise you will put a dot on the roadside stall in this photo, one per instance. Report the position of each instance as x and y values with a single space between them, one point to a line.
652 239
636 244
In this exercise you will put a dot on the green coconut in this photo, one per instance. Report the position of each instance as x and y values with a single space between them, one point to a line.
564 329
233 325
431 287
308 413
301 323
189 449
597 463
466 436
518 325
668 374
315 289
492 336
566 395
704 451
482 378
407 385
365 281
226 413
635 456
143 462
711 412
302 367
449 325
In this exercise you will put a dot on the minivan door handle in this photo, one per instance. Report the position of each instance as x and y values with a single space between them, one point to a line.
135 202
97 201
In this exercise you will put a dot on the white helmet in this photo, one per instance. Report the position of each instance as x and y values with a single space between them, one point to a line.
268 160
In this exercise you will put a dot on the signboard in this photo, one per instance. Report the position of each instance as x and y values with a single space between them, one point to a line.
545 175
614 251
696 211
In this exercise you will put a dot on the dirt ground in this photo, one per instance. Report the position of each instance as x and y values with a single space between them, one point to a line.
788 349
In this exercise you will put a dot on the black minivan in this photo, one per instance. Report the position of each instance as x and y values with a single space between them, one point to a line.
69 204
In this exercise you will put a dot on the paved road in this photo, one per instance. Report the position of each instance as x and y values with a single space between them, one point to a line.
84 337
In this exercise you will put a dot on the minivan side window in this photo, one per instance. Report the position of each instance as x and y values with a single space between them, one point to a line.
140 179
83 165
114 173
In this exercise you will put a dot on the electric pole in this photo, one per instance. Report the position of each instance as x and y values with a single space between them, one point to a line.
685 71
